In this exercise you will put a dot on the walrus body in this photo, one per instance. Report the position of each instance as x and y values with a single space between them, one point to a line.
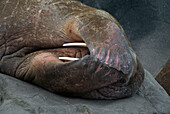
31 37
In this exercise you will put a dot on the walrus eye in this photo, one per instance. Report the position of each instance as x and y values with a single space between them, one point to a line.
72 45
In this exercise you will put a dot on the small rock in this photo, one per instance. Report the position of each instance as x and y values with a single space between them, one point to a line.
163 77
0 100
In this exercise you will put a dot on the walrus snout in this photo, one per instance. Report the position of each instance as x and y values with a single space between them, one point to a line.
33 43
104 37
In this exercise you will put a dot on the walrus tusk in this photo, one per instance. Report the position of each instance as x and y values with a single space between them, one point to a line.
75 44
72 44
68 58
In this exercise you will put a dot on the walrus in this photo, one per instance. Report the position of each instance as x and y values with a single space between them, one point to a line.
32 38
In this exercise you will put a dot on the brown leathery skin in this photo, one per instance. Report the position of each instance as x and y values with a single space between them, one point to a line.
31 37
113 91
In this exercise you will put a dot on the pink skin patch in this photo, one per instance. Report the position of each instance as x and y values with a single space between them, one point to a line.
82 28
40 11
93 50
107 57
5 18
98 68
107 73
117 60
98 55
28 8
43 59
43 26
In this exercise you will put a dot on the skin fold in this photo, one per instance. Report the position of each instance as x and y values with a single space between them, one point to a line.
32 33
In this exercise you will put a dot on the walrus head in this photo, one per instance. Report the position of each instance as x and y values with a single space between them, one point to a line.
104 67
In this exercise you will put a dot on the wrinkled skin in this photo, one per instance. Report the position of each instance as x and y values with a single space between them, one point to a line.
31 37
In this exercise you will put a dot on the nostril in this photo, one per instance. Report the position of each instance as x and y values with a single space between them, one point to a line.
122 81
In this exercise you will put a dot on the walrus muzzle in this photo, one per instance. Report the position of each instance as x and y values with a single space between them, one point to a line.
32 47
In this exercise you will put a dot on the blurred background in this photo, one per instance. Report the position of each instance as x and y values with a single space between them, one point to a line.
147 26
